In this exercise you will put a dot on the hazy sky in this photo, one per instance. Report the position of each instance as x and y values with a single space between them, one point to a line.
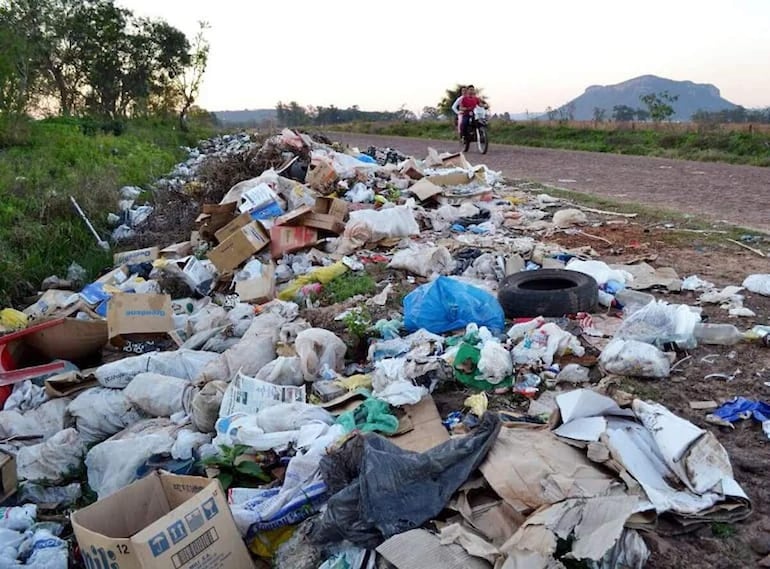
526 54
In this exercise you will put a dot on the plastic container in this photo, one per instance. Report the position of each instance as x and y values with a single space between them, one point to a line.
632 300
718 334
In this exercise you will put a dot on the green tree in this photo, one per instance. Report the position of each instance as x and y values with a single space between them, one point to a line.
450 96
18 70
193 67
659 105
429 114
641 115
623 113
599 114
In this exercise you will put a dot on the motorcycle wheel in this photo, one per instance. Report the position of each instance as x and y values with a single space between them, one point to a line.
481 139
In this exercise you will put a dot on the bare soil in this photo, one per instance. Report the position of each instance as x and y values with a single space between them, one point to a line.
710 191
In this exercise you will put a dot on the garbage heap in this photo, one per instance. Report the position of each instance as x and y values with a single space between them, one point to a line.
291 353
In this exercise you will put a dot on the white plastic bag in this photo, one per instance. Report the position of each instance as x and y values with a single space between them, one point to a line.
659 323
387 371
634 358
282 371
758 284
600 271
186 364
495 363
205 406
53 459
45 421
545 343
112 465
187 441
100 413
320 352
569 218
359 193
18 518
385 223
573 373
424 261
25 397
160 395
401 392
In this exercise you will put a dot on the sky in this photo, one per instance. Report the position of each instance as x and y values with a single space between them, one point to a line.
526 54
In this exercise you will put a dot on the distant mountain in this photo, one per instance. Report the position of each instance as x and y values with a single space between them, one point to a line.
692 97
250 117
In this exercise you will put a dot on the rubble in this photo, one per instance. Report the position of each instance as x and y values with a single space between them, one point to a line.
218 353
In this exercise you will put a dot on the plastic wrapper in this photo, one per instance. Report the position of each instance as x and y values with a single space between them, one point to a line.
381 490
634 358
53 459
160 395
50 496
600 271
320 351
495 363
660 323
447 304
100 413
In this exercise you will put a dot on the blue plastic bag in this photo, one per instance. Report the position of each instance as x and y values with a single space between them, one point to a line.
447 304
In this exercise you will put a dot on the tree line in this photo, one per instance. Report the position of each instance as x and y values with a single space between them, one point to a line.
294 114
92 57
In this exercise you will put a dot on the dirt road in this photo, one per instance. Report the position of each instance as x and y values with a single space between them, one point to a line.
713 191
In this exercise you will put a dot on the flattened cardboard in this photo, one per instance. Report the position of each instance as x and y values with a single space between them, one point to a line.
8 480
450 179
334 207
260 289
420 549
286 239
147 255
233 251
294 217
139 314
425 189
162 521
241 221
68 384
427 429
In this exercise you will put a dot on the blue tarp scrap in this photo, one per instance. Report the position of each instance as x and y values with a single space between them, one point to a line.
741 408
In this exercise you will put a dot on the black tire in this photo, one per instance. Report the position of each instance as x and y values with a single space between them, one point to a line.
547 292
483 141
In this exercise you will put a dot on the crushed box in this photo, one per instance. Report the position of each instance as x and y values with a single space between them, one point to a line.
287 238
162 521
238 247
139 314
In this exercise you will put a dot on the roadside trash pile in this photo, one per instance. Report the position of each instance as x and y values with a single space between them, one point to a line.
292 351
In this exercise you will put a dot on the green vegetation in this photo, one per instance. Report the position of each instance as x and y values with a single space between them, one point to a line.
348 285
708 146
235 469
358 322
722 530
40 233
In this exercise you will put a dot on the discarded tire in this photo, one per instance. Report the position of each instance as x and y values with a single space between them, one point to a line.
547 292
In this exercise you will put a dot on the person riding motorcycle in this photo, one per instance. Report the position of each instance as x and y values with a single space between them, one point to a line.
467 105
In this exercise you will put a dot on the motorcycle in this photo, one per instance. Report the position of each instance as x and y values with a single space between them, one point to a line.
476 131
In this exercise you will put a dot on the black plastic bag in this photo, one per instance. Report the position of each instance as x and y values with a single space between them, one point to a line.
383 490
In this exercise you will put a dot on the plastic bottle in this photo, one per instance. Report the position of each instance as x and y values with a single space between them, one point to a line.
633 299
721 334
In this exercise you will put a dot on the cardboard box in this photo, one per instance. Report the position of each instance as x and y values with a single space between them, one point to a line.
294 217
8 480
259 289
162 521
334 207
231 228
286 238
450 179
241 245
324 222
147 255
70 339
198 271
139 314
425 189
427 430
320 175
177 250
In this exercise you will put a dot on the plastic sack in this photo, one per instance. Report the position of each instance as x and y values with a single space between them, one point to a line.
25 397
573 373
18 518
569 218
758 284
186 364
45 421
282 371
205 406
634 358
51 496
321 275
53 459
160 395
447 304
381 490
600 271
386 223
659 323
544 344
187 442
100 413
424 261
46 551
113 464
495 363
320 351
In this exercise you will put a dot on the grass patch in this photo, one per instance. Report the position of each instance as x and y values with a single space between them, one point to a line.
722 530
40 233
666 141
348 285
